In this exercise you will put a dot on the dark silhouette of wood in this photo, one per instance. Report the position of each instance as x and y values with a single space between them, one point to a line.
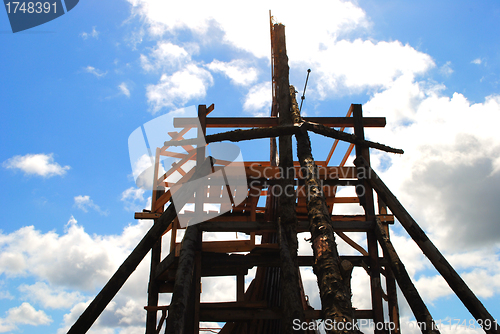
183 280
258 133
366 199
287 221
463 292
417 305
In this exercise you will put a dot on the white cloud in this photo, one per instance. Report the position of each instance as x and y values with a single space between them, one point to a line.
247 27
67 266
237 70
6 295
25 314
346 67
124 89
84 203
176 90
314 41
258 100
477 61
92 70
444 141
446 69
49 297
72 260
166 55
36 164
94 34
133 199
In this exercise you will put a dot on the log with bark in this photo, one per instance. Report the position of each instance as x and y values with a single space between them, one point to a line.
287 221
334 290
275 131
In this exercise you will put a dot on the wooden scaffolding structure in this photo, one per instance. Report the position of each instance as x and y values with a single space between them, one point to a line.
272 219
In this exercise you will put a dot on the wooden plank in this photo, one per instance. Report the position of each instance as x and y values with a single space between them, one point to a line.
147 215
253 122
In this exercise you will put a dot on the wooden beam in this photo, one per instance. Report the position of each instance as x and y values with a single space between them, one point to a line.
254 122
463 292
261 226
281 130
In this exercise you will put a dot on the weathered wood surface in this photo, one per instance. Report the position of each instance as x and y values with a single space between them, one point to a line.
417 305
253 122
463 292
92 312
287 221
334 291
289 129
183 280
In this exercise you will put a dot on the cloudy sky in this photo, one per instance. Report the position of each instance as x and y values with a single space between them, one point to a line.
74 89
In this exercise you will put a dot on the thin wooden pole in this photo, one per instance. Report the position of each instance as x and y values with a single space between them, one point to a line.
463 292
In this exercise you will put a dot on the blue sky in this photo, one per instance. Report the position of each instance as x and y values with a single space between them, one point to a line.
74 89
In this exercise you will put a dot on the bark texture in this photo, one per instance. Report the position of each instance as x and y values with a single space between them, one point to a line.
275 131
287 222
334 290
183 281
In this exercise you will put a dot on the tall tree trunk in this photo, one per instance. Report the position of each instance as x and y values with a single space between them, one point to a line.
334 290
287 222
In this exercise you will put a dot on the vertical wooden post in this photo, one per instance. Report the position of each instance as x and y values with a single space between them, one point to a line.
390 282
416 303
153 288
287 222
335 296
200 157
365 193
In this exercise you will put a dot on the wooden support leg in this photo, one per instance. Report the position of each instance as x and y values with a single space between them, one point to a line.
365 194
151 316
410 292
